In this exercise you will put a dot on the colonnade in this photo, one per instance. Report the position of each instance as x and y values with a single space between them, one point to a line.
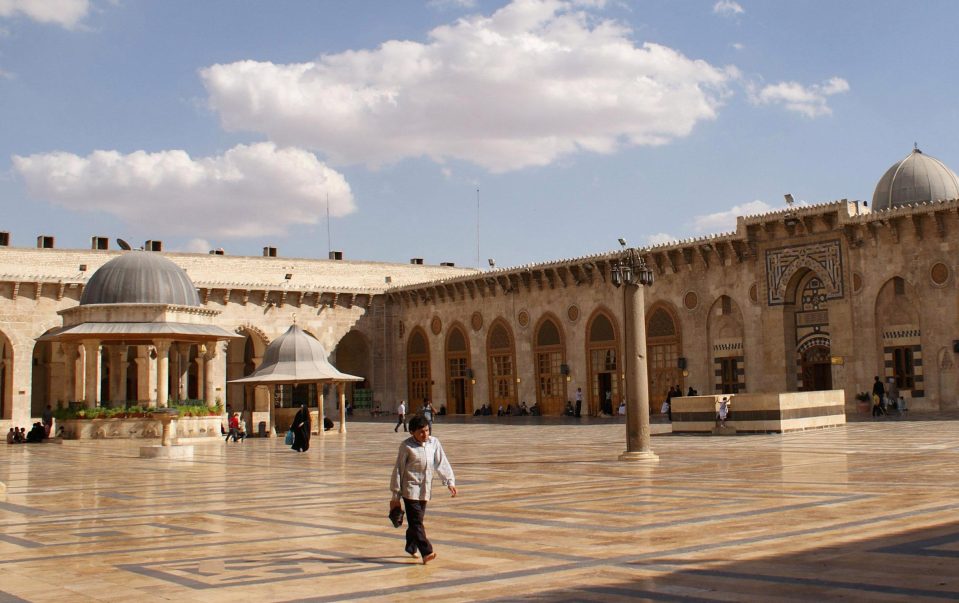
82 378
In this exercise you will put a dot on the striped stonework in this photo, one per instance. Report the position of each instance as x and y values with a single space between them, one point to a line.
908 337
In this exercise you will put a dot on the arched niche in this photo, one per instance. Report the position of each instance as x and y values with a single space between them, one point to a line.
352 356
724 325
6 377
46 376
501 364
900 336
459 374
549 364
242 358
602 355
806 330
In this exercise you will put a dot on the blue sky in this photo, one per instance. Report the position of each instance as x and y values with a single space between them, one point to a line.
230 123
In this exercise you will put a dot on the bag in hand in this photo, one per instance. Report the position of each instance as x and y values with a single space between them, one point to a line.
289 438
396 516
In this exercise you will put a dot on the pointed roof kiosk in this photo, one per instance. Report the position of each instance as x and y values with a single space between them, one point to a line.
297 358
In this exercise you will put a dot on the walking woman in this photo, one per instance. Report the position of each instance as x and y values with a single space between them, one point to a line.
301 430
420 457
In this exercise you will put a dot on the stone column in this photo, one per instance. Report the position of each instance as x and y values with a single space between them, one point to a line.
91 372
70 353
208 364
637 378
341 394
321 400
117 360
163 372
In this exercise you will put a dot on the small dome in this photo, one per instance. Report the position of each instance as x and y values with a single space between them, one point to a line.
140 277
915 179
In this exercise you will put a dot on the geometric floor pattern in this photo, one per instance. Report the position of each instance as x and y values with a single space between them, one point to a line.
545 512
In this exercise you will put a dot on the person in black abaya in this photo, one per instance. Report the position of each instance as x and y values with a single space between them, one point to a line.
301 430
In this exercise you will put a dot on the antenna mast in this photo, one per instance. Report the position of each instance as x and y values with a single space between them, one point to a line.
329 237
477 228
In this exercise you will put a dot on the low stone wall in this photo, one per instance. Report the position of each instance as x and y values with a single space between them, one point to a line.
137 428
761 413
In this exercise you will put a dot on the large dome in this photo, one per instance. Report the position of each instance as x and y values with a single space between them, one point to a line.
140 277
915 179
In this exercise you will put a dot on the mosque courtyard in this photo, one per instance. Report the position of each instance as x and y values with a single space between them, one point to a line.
865 512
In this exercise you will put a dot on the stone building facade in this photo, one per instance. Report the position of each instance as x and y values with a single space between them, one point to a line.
812 297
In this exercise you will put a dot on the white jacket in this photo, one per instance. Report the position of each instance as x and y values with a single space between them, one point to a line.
415 465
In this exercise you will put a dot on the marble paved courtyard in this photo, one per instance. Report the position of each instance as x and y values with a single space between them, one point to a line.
867 512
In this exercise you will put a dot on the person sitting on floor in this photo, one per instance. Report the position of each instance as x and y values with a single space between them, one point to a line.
12 436
36 434
500 412
568 411
236 430
523 409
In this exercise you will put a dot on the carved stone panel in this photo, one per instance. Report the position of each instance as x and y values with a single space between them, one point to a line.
824 259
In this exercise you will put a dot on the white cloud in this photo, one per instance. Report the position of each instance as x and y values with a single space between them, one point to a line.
806 100
535 81
727 8
659 238
725 221
65 13
248 191
197 246
738 45
444 4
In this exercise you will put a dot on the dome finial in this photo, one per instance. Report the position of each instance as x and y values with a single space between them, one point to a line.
915 148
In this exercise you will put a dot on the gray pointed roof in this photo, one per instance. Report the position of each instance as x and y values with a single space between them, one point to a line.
295 357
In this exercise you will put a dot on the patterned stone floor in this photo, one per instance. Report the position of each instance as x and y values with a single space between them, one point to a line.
867 512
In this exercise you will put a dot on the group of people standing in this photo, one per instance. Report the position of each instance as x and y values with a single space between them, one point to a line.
426 411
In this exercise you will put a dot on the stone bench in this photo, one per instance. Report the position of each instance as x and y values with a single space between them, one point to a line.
761 412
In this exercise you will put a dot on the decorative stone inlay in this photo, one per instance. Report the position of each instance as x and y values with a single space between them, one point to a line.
824 259
939 273
856 282
754 293
573 313
476 321
436 325
523 318
691 300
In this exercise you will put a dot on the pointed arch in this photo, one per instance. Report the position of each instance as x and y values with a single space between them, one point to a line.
501 363
6 377
664 348
459 375
352 355
418 378
603 358
900 335
725 330
549 360
242 358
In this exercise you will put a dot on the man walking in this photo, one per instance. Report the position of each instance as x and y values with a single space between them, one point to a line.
401 416
579 401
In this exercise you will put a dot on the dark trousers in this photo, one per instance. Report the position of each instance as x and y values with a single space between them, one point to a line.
400 421
579 408
416 539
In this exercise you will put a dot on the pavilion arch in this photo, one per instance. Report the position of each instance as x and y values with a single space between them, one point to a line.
899 336
6 377
602 356
419 382
664 348
501 364
243 356
352 355
725 332
459 374
549 362
47 372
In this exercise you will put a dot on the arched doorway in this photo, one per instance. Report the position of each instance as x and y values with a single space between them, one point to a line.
663 351
725 329
900 337
6 379
44 373
813 345
815 365
549 354
242 357
352 356
458 373
501 365
602 352
418 379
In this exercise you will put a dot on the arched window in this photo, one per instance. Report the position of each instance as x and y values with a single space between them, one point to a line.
418 368
663 350
501 364
602 352
459 375
550 358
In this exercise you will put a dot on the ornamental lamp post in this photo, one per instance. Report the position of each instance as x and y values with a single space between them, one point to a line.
630 271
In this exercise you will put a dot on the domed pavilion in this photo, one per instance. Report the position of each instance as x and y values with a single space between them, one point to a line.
915 179
140 308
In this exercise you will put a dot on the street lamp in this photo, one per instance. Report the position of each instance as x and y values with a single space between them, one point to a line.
629 270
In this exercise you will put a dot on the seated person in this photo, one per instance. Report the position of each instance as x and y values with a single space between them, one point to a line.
477 412
569 412
509 409
12 436
442 409
20 435
487 411
534 410
236 430
500 412
523 409
37 433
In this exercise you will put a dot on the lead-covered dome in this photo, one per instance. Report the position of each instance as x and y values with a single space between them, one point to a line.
915 179
140 277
